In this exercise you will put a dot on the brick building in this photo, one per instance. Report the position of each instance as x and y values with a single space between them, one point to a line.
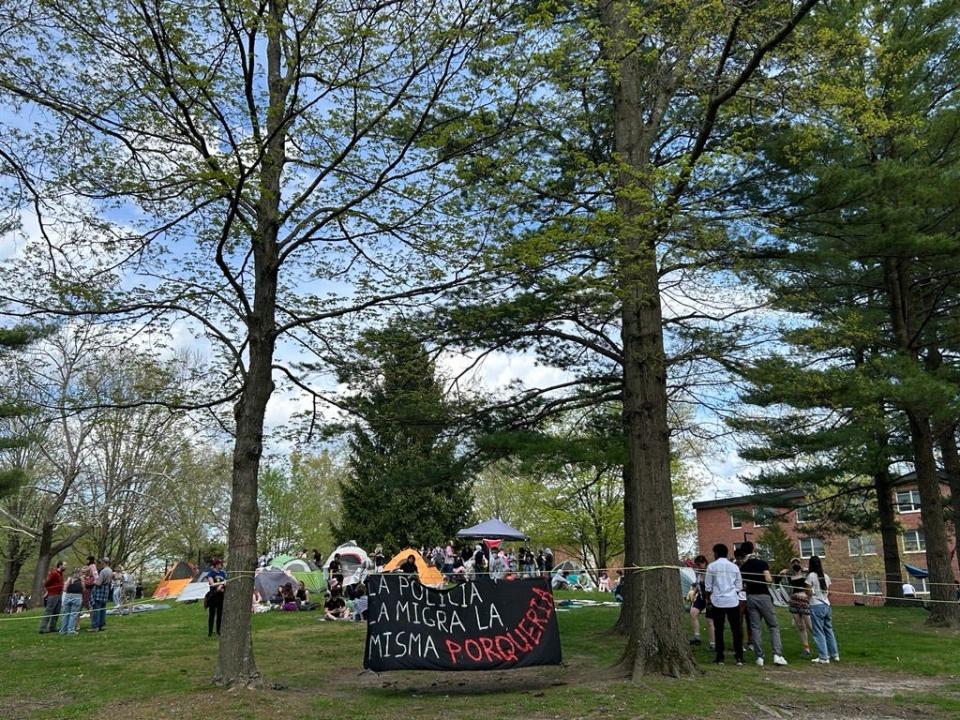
854 564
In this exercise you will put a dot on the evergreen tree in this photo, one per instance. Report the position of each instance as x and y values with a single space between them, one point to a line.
775 546
11 475
870 265
408 483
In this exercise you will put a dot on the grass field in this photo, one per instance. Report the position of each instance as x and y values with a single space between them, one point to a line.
158 665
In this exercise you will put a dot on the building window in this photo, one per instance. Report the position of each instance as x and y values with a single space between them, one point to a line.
863 545
922 586
736 520
914 541
810 547
805 513
763 552
866 585
762 516
908 501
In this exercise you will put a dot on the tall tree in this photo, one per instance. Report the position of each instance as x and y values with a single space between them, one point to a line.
408 482
250 171
611 218
870 176
12 340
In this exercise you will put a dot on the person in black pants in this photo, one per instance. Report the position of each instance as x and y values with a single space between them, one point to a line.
723 585
216 579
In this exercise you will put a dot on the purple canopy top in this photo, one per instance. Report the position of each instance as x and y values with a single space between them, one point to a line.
494 528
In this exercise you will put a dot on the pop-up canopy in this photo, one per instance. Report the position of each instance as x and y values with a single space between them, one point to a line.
494 528
917 572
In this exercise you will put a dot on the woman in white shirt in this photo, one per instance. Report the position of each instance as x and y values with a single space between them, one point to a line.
821 614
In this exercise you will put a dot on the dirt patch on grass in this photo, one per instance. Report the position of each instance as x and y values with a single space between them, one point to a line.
841 679
853 693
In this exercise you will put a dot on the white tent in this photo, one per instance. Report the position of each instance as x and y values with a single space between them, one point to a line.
352 558
195 590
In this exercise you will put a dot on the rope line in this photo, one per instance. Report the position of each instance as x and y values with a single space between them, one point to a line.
633 568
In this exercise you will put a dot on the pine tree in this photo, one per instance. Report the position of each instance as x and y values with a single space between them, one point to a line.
408 485
12 339
870 183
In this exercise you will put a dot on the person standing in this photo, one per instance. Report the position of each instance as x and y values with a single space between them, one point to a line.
53 589
821 613
698 604
723 585
800 604
217 580
118 580
99 595
335 570
72 601
756 583
90 573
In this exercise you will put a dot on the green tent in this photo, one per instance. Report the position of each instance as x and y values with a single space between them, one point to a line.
314 580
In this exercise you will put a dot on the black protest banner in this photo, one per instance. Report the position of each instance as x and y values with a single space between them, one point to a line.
483 625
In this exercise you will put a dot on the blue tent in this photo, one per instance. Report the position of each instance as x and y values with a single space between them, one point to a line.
494 529
917 572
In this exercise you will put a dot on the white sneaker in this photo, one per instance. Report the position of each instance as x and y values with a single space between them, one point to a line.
780 660
760 662
820 661
835 658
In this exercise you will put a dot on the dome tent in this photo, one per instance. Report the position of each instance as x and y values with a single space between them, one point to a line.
177 578
427 574
352 558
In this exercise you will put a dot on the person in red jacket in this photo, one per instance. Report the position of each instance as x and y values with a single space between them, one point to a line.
53 589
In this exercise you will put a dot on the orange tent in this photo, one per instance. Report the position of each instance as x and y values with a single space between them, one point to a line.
176 579
427 574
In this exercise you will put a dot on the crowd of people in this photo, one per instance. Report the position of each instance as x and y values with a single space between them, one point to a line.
89 586
737 593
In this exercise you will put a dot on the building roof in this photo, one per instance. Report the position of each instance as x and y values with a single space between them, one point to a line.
769 499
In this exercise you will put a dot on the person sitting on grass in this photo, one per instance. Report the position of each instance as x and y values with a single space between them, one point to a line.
289 598
335 607
360 603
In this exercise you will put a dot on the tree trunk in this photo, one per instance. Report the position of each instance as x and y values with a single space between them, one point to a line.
944 610
236 665
898 278
889 538
14 557
44 554
947 440
652 611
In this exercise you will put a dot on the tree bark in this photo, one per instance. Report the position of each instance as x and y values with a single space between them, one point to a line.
652 611
947 440
43 564
889 539
944 611
15 554
236 665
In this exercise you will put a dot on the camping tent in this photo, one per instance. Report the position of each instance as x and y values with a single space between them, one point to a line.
352 557
176 579
195 590
268 580
492 528
296 565
314 580
427 574
279 561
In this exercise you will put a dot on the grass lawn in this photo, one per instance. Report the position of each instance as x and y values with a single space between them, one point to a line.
158 665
